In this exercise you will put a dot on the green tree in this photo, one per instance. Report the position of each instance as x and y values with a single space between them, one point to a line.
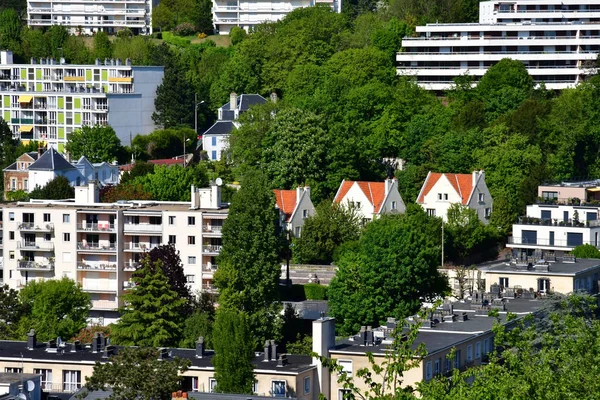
56 37
174 102
389 272
237 34
172 183
11 311
199 324
234 351
162 17
586 251
153 312
8 148
17 195
34 44
249 269
173 270
57 189
323 233
10 30
140 168
56 307
165 143
102 46
98 143
124 191
137 373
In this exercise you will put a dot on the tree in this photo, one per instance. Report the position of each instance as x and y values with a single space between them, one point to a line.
173 270
56 307
102 46
237 34
234 351
586 251
57 189
137 373
98 143
249 269
162 17
389 272
10 30
140 168
174 102
172 183
199 324
165 143
153 312
56 37
11 311
87 334
33 43
323 233
124 191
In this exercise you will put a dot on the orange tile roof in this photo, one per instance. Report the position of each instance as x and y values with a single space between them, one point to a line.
375 192
462 183
286 201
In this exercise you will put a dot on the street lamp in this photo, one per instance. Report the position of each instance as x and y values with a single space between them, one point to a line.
184 157
196 104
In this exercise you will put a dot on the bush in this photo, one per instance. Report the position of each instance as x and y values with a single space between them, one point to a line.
125 33
157 35
314 291
176 40
185 29
237 34
202 35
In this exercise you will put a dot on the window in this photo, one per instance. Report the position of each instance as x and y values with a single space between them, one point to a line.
431 212
344 394
171 220
47 237
212 384
46 377
191 220
192 240
66 237
194 383
477 350
71 380
428 370
297 231
13 184
470 352
213 155
13 370
11 255
437 367
172 239
485 346
304 214
445 196
192 260
346 366
457 359
488 212
66 218
394 205
278 388
214 140
307 385
549 195
11 216
26 184
481 197
448 366
190 278
503 282
11 235
439 196
46 217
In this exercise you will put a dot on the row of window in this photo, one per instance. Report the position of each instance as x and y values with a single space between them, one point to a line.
71 380
434 368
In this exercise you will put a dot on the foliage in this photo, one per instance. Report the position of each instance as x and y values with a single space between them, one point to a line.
86 334
172 183
323 233
17 195
97 143
199 324
302 345
152 315
234 351
57 189
140 168
172 267
137 373
175 40
249 269
8 147
185 29
314 291
586 251
54 308
166 143
237 34
174 97
102 46
389 272
11 311
10 30
124 191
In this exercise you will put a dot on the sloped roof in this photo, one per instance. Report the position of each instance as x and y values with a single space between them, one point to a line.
244 102
51 161
462 184
286 201
220 128
13 166
374 191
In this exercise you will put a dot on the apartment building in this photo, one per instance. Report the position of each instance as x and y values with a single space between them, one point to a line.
46 100
89 17
247 14
99 245
557 41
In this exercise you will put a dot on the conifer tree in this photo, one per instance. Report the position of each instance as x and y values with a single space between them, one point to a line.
152 315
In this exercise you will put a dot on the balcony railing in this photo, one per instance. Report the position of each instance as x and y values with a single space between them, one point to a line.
131 266
33 227
96 227
39 246
211 248
96 266
212 228
141 246
35 266
557 222
209 288
96 246
104 305
542 242
142 227
209 267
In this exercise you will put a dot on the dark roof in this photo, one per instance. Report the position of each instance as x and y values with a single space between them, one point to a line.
227 114
13 166
51 161
245 101
554 268
10 377
220 128
226 396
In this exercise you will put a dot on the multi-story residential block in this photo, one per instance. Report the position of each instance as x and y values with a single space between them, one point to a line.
558 42
247 14
215 139
47 100
441 190
371 199
294 207
89 17
100 245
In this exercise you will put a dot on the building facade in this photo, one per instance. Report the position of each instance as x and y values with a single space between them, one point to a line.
47 100
294 207
371 199
247 14
89 17
16 175
557 41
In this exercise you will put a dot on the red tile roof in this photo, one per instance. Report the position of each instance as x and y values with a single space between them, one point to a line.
374 191
286 201
462 183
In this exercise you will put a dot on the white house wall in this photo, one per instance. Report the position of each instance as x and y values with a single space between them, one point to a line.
431 201
362 204
297 220
393 196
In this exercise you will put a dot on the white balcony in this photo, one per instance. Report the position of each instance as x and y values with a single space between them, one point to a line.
96 266
33 227
140 247
35 266
35 246
104 305
93 247
143 228
96 227
211 249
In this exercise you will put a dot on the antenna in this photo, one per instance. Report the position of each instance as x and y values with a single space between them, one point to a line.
219 182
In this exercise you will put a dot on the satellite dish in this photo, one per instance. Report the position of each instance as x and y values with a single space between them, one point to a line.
30 386
219 181
21 396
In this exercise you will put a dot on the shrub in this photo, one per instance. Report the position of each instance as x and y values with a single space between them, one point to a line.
237 34
175 40
202 35
314 291
157 35
185 29
124 33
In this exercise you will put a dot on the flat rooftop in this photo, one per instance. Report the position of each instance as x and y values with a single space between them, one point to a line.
129 206
581 265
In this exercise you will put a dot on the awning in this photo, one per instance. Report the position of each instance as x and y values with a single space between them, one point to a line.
596 189
26 128
25 99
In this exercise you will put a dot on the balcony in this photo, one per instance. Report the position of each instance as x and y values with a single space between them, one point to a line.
556 222
96 227
212 229
211 249
140 246
209 267
96 247
35 246
563 244
131 266
99 286
32 227
146 228
35 266
104 305
210 288
83 266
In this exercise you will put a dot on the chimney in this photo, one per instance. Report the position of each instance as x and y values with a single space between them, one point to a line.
108 351
388 185
273 97
233 101
62 61
200 347
273 351
163 353
369 336
475 176
267 347
31 340
282 360
363 335
299 191
179 395
323 340
32 60
97 61
195 200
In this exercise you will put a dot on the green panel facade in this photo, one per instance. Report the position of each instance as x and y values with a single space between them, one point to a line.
61 133
23 73
88 74
38 87
77 102
77 118
61 147
61 103
61 118
6 101
105 75
38 73
7 115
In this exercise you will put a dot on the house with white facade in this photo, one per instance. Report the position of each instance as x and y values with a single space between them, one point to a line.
556 40
294 207
216 138
441 190
371 199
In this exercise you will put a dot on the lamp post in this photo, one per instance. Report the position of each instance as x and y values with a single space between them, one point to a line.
196 104
184 157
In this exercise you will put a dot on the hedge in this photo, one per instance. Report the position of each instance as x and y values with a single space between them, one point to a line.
314 291
310 291
176 40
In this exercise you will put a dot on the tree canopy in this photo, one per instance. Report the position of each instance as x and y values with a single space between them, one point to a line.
97 143
172 183
58 188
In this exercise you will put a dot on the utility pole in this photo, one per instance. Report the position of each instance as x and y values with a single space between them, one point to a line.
195 114
442 242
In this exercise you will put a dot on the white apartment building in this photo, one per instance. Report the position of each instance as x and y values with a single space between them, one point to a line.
557 41
90 16
47 100
99 245
247 14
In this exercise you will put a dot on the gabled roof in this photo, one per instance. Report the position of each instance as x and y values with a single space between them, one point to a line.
51 161
462 184
220 128
13 167
244 102
82 161
374 191
286 202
